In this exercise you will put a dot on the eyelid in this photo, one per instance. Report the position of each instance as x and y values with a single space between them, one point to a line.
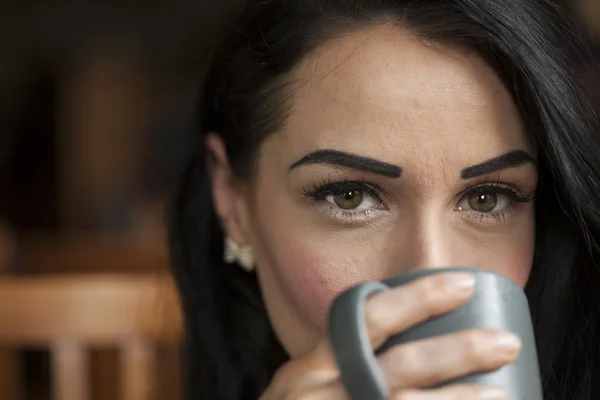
318 193
326 188
512 194
514 189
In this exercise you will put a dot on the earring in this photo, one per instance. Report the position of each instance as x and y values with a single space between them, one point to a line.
242 255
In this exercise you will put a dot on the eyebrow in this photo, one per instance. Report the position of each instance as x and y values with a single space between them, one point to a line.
349 160
513 158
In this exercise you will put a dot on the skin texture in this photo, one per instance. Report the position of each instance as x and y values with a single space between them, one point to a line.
384 94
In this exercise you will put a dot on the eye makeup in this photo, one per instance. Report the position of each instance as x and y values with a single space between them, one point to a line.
499 199
511 159
489 200
346 200
351 161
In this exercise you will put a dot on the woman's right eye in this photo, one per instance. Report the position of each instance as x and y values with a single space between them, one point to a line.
354 199
347 196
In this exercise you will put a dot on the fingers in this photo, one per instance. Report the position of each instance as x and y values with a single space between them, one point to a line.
428 362
315 368
335 391
396 310
454 392
331 391
414 365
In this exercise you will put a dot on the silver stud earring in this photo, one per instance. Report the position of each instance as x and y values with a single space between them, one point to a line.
242 255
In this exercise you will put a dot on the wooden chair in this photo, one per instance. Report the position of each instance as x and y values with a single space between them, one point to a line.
91 253
71 314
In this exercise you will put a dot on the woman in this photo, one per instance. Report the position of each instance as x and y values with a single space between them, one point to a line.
344 141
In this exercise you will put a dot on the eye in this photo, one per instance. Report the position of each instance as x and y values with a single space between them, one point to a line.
355 199
487 200
346 196
483 202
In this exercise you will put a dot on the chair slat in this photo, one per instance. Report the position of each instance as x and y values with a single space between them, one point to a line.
72 314
98 310
70 372
138 371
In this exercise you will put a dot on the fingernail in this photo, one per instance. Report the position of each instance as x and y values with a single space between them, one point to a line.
508 341
461 281
492 394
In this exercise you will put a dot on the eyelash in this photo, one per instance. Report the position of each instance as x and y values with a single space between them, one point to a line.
510 190
320 190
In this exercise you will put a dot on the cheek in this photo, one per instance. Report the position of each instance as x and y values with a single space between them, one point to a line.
517 266
312 280
520 261
312 274
522 256
511 255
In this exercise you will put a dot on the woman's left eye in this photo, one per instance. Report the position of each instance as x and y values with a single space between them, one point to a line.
484 201
491 201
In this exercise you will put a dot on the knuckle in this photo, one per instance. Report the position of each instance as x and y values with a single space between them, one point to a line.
473 344
375 315
409 354
406 354
430 290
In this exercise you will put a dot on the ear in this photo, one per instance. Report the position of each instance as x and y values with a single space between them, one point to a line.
229 202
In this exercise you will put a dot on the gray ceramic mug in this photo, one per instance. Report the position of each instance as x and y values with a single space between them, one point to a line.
497 303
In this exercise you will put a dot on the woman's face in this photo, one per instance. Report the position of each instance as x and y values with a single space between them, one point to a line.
396 155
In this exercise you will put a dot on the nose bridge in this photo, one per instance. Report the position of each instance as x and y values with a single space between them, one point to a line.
428 244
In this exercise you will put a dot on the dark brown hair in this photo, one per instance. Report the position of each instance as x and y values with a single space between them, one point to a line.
231 351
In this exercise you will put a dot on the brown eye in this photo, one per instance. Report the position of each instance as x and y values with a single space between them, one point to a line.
483 202
349 200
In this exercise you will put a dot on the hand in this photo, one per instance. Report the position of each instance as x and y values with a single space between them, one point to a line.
410 367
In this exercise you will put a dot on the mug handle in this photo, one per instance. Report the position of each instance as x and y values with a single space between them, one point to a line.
349 339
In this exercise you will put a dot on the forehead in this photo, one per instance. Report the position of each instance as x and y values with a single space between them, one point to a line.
385 93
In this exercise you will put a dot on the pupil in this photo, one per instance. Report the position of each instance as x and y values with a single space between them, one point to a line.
349 199
483 202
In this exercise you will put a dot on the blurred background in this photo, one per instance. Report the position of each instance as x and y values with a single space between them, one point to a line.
96 115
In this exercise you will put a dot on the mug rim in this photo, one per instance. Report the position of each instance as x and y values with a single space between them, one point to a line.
420 273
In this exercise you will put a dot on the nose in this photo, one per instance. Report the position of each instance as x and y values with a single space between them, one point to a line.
430 242
440 238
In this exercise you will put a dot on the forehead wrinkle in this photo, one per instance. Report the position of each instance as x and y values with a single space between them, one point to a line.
354 52
345 112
